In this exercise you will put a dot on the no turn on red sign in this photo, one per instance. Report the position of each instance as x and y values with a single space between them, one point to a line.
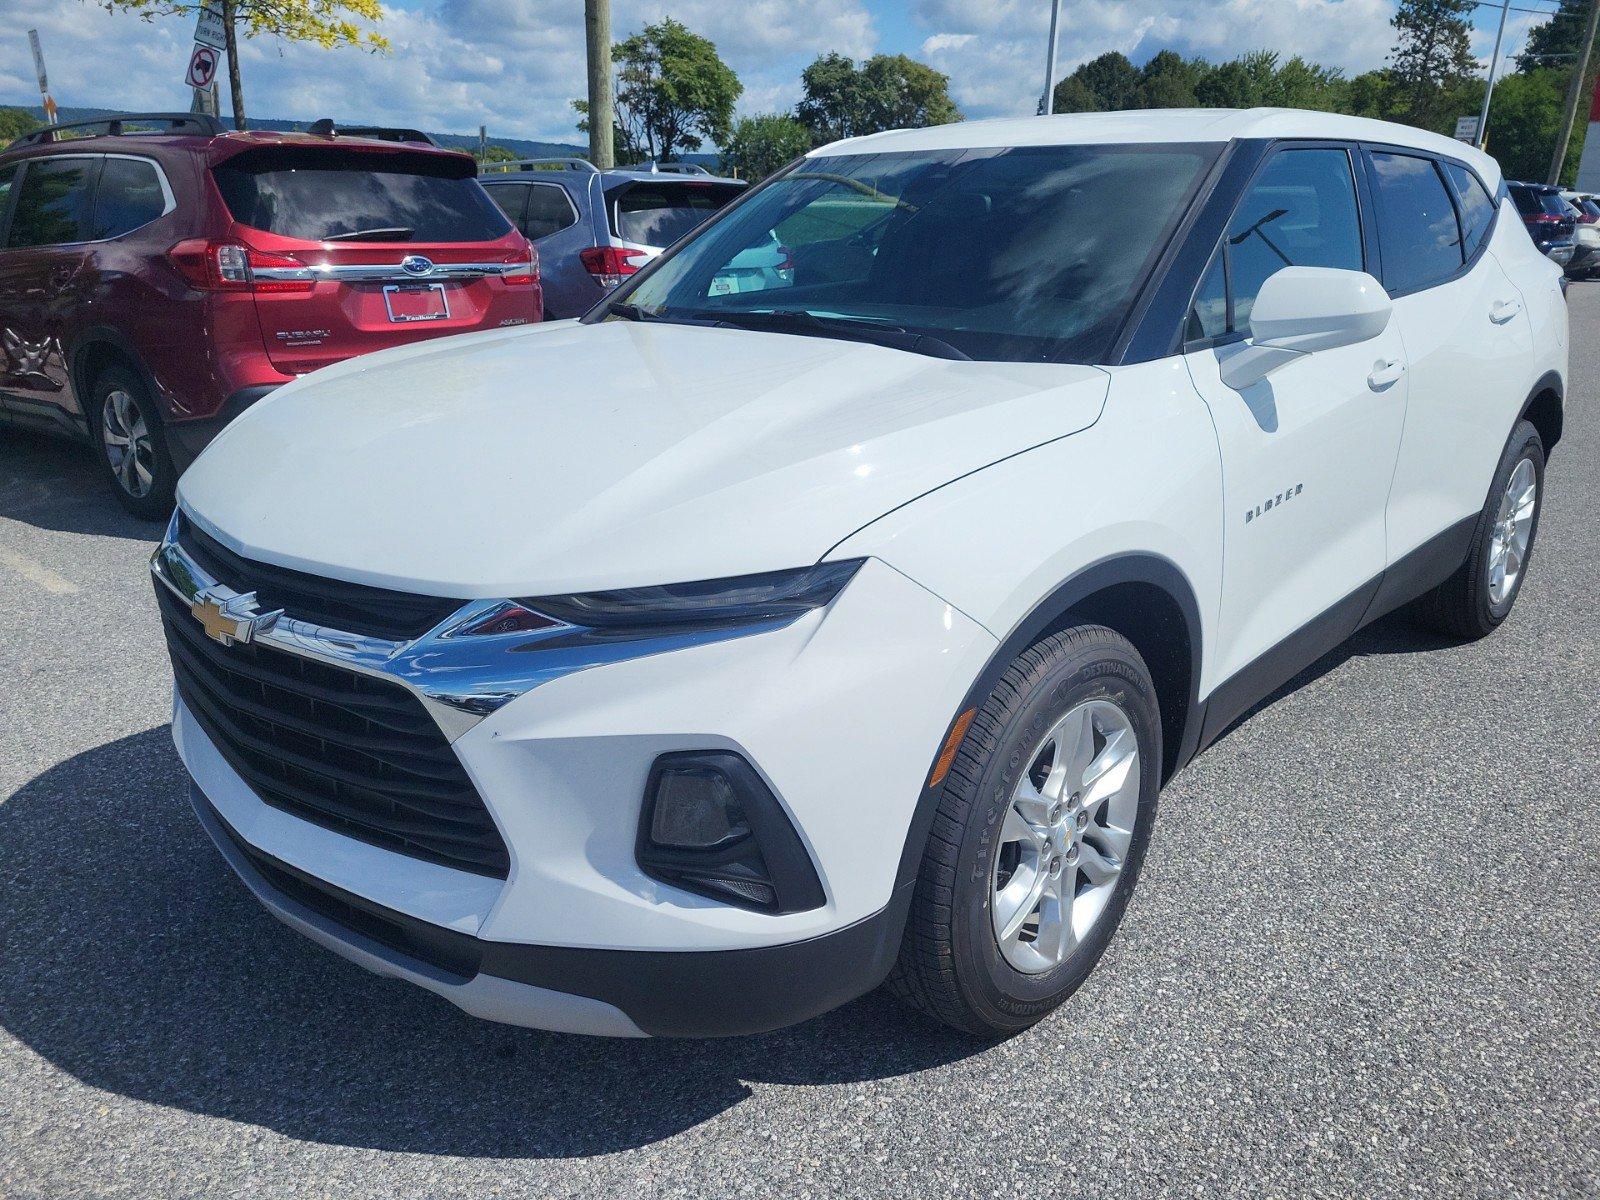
202 66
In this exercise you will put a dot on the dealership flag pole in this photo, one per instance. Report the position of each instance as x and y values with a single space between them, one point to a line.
44 80
1050 59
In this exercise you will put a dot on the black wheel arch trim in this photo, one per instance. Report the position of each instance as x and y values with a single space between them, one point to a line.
81 354
1138 567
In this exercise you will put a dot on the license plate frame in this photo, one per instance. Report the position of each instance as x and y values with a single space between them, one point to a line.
390 290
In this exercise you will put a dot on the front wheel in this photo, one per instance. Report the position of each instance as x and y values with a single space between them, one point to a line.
1041 829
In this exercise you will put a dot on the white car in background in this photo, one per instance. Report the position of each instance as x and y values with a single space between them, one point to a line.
696 667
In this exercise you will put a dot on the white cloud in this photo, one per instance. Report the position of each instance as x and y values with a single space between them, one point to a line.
513 65
994 50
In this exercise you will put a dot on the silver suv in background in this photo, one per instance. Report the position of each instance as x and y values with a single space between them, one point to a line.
594 228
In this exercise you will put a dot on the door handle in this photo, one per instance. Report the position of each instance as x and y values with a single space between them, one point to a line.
1384 372
1502 311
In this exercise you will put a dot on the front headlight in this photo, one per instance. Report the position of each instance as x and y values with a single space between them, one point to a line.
739 600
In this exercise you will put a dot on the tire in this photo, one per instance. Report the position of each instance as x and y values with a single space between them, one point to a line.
1471 603
121 412
954 963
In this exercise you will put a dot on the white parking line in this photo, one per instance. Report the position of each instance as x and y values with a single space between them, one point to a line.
36 573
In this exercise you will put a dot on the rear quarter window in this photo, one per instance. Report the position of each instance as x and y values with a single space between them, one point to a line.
129 195
322 196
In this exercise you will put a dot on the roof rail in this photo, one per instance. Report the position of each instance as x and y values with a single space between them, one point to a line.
667 168
198 124
383 133
543 164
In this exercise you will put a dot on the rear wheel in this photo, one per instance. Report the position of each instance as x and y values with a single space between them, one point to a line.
1472 602
132 444
1041 829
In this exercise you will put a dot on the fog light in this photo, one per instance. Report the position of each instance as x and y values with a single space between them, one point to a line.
711 825
696 809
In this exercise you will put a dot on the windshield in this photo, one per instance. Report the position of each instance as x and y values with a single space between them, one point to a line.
1023 254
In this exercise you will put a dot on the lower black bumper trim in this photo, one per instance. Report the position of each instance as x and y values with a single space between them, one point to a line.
710 993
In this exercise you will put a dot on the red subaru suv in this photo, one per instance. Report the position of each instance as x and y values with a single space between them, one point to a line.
159 273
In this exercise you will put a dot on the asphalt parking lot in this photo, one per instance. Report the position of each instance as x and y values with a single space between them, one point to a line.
1364 958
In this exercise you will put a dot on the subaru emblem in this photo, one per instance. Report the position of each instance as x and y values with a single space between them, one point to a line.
416 264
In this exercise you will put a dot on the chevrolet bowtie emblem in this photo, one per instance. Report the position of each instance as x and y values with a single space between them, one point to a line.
228 617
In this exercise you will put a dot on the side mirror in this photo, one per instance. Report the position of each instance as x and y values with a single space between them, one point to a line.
1300 310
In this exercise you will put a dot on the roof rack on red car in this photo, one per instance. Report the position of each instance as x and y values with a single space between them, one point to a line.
383 133
198 124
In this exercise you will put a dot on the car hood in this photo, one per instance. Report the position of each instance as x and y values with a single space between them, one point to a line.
571 457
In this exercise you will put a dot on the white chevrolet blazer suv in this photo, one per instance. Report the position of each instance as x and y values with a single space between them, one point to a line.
696 666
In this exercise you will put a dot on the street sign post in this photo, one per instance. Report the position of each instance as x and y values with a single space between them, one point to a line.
44 80
1467 130
202 66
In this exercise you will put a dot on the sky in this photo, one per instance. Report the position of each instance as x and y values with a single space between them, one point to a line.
514 65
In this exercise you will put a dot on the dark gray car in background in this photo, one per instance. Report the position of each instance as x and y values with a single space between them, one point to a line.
594 228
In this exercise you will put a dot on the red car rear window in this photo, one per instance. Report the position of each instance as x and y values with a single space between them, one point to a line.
322 195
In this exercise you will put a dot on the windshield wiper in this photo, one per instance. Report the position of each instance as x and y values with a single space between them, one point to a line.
809 324
384 233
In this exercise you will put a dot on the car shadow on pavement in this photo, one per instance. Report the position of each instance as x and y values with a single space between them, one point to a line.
134 960
1396 633
53 483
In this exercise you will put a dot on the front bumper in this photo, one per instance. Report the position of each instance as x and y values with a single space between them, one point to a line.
608 993
841 712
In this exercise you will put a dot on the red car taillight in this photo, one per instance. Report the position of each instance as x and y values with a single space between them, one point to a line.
527 257
214 266
610 264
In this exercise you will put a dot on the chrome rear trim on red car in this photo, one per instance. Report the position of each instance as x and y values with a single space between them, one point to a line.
387 272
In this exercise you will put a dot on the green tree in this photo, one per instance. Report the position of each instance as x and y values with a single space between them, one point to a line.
759 145
1371 94
673 93
1226 86
1557 42
1432 57
887 91
14 122
1073 95
494 154
1168 81
326 23
1524 117
1114 80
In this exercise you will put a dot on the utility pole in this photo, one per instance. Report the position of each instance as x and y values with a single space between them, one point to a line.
1574 92
230 14
1488 87
1050 59
597 34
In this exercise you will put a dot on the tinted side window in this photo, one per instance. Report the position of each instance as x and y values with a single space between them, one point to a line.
1416 223
129 195
549 211
8 176
1477 210
509 197
1300 212
53 202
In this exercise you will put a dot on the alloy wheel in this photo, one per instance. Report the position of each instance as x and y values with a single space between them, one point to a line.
1066 836
129 447
1513 530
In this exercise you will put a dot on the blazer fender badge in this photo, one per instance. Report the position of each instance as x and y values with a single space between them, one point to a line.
1273 502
